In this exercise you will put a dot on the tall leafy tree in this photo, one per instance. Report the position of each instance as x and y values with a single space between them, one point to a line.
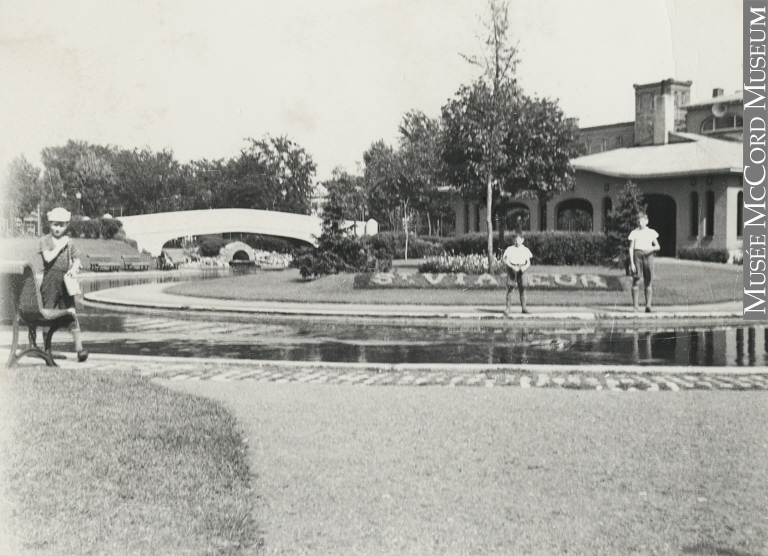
93 180
149 182
80 167
422 164
476 121
347 193
24 189
380 176
500 144
273 173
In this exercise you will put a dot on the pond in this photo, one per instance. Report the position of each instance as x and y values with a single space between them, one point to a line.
220 335
312 339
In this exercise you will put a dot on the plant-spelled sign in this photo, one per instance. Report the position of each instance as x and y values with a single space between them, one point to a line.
536 281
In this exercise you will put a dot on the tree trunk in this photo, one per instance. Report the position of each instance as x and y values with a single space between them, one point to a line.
489 221
405 225
429 224
502 214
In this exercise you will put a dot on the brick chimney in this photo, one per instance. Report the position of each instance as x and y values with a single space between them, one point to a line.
646 109
663 118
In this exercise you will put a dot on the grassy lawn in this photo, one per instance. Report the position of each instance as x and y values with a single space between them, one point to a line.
675 284
435 470
23 248
111 464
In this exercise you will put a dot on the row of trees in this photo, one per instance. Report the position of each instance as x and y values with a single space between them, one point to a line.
272 173
492 143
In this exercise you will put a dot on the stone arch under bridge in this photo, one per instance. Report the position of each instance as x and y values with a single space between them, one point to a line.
152 231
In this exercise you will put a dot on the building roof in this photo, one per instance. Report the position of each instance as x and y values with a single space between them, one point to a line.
693 155
608 126
723 99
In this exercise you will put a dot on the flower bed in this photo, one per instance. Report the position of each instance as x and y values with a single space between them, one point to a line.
536 281
467 264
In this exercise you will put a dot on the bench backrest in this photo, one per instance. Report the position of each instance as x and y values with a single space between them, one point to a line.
28 298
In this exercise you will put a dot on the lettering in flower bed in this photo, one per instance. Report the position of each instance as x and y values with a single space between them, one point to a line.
536 281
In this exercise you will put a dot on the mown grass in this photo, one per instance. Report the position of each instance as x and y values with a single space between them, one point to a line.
676 283
112 464
505 471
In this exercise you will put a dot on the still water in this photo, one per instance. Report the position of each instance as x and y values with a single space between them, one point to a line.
310 339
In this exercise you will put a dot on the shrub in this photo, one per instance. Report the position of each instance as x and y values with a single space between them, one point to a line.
269 243
210 246
110 227
89 229
96 228
621 221
709 254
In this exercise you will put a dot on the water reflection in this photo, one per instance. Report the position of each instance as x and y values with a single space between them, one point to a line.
252 337
348 342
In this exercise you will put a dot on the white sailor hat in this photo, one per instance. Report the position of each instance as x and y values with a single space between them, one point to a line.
59 215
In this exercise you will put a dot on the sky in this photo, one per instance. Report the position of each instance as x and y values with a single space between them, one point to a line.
199 77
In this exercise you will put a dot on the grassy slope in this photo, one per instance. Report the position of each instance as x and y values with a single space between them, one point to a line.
675 284
388 470
24 247
111 464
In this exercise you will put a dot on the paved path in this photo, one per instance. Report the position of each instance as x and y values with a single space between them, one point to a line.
625 378
154 296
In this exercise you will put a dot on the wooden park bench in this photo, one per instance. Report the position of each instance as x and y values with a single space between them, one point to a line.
29 312
103 263
135 262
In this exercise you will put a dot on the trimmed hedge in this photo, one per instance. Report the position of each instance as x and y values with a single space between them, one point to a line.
391 245
556 248
96 228
708 254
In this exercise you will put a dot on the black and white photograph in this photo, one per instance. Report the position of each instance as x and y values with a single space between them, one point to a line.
383 277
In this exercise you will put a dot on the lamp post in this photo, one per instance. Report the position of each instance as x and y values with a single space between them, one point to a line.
78 196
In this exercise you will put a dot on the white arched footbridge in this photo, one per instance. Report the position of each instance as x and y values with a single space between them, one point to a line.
152 231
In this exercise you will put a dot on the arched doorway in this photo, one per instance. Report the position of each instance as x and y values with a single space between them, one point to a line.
574 215
662 217
518 217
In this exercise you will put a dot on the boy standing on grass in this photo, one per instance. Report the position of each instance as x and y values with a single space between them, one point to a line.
517 259
643 243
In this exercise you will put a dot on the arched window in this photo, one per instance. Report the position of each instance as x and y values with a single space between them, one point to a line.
574 215
729 121
607 208
518 217
710 231
694 214
740 214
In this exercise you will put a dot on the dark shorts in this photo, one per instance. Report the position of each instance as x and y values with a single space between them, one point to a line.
516 277
643 267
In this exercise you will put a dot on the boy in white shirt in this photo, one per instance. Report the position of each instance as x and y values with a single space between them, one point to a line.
517 259
643 243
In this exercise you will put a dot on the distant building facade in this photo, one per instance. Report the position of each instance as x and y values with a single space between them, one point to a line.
685 157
